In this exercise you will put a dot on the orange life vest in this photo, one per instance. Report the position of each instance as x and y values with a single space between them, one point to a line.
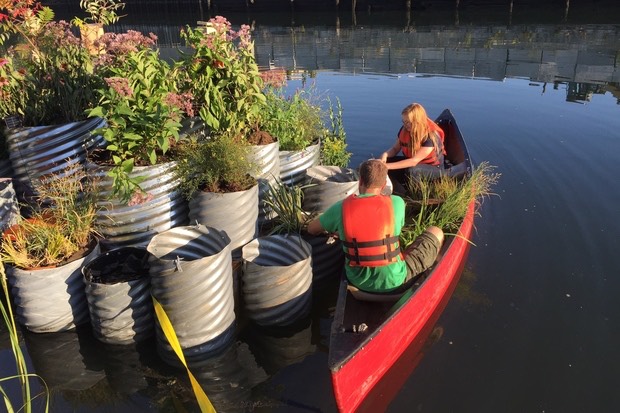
368 229
405 143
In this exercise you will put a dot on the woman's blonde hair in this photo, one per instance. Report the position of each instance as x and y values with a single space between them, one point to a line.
419 130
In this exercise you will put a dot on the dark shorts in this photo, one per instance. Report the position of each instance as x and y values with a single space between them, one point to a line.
420 256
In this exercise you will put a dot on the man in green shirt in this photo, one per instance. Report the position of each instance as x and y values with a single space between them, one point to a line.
372 261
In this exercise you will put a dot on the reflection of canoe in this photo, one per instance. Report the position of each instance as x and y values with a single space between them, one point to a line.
358 357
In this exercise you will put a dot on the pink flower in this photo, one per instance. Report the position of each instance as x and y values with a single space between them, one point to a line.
3 61
182 102
120 86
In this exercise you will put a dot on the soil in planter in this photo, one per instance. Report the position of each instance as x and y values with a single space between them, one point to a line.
260 138
116 267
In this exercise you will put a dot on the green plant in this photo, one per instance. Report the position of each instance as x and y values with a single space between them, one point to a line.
222 75
62 227
143 113
334 145
296 121
215 164
104 12
286 203
20 361
46 76
443 202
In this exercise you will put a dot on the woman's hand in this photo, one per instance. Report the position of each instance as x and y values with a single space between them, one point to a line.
384 157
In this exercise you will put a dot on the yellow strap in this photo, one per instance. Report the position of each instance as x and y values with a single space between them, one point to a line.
166 326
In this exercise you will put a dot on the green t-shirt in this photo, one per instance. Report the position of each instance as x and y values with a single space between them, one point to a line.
372 279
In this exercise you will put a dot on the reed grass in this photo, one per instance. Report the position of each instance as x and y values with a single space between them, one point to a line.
443 201
20 361
286 203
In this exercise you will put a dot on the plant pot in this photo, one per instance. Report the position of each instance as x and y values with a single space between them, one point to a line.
37 153
123 225
293 164
327 258
327 185
9 209
51 299
267 159
233 212
277 279
192 278
119 297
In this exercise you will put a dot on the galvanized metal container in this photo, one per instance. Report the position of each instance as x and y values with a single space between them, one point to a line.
327 258
192 278
119 296
277 279
293 164
40 151
9 209
326 185
233 212
267 161
123 225
50 299
5 168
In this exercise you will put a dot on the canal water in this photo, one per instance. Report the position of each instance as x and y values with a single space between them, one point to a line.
534 323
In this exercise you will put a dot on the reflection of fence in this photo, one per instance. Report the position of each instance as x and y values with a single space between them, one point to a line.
587 54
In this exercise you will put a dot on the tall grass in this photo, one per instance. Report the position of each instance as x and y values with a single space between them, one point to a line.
20 361
286 203
62 225
443 202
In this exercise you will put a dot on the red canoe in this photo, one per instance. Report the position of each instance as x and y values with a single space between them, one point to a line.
359 359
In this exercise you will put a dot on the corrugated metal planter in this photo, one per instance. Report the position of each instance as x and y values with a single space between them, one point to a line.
121 224
192 278
119 297
70 360
36 152
233 212
5 168
293 164
277 279
9 209
267 160
326 185
51 299
327 258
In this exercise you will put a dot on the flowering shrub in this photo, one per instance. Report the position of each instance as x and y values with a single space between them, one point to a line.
46 77
222 75
143 113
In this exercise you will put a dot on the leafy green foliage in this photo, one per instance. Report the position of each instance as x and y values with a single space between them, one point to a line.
100 11
296 121
47 77
54 233
443 202
215 164
143 118
222 75
334 145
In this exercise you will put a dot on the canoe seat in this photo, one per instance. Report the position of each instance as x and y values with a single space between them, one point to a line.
380 298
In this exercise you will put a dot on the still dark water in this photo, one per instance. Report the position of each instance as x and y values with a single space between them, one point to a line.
534 324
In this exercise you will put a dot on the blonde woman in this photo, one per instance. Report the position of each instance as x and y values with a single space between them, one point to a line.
421 142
